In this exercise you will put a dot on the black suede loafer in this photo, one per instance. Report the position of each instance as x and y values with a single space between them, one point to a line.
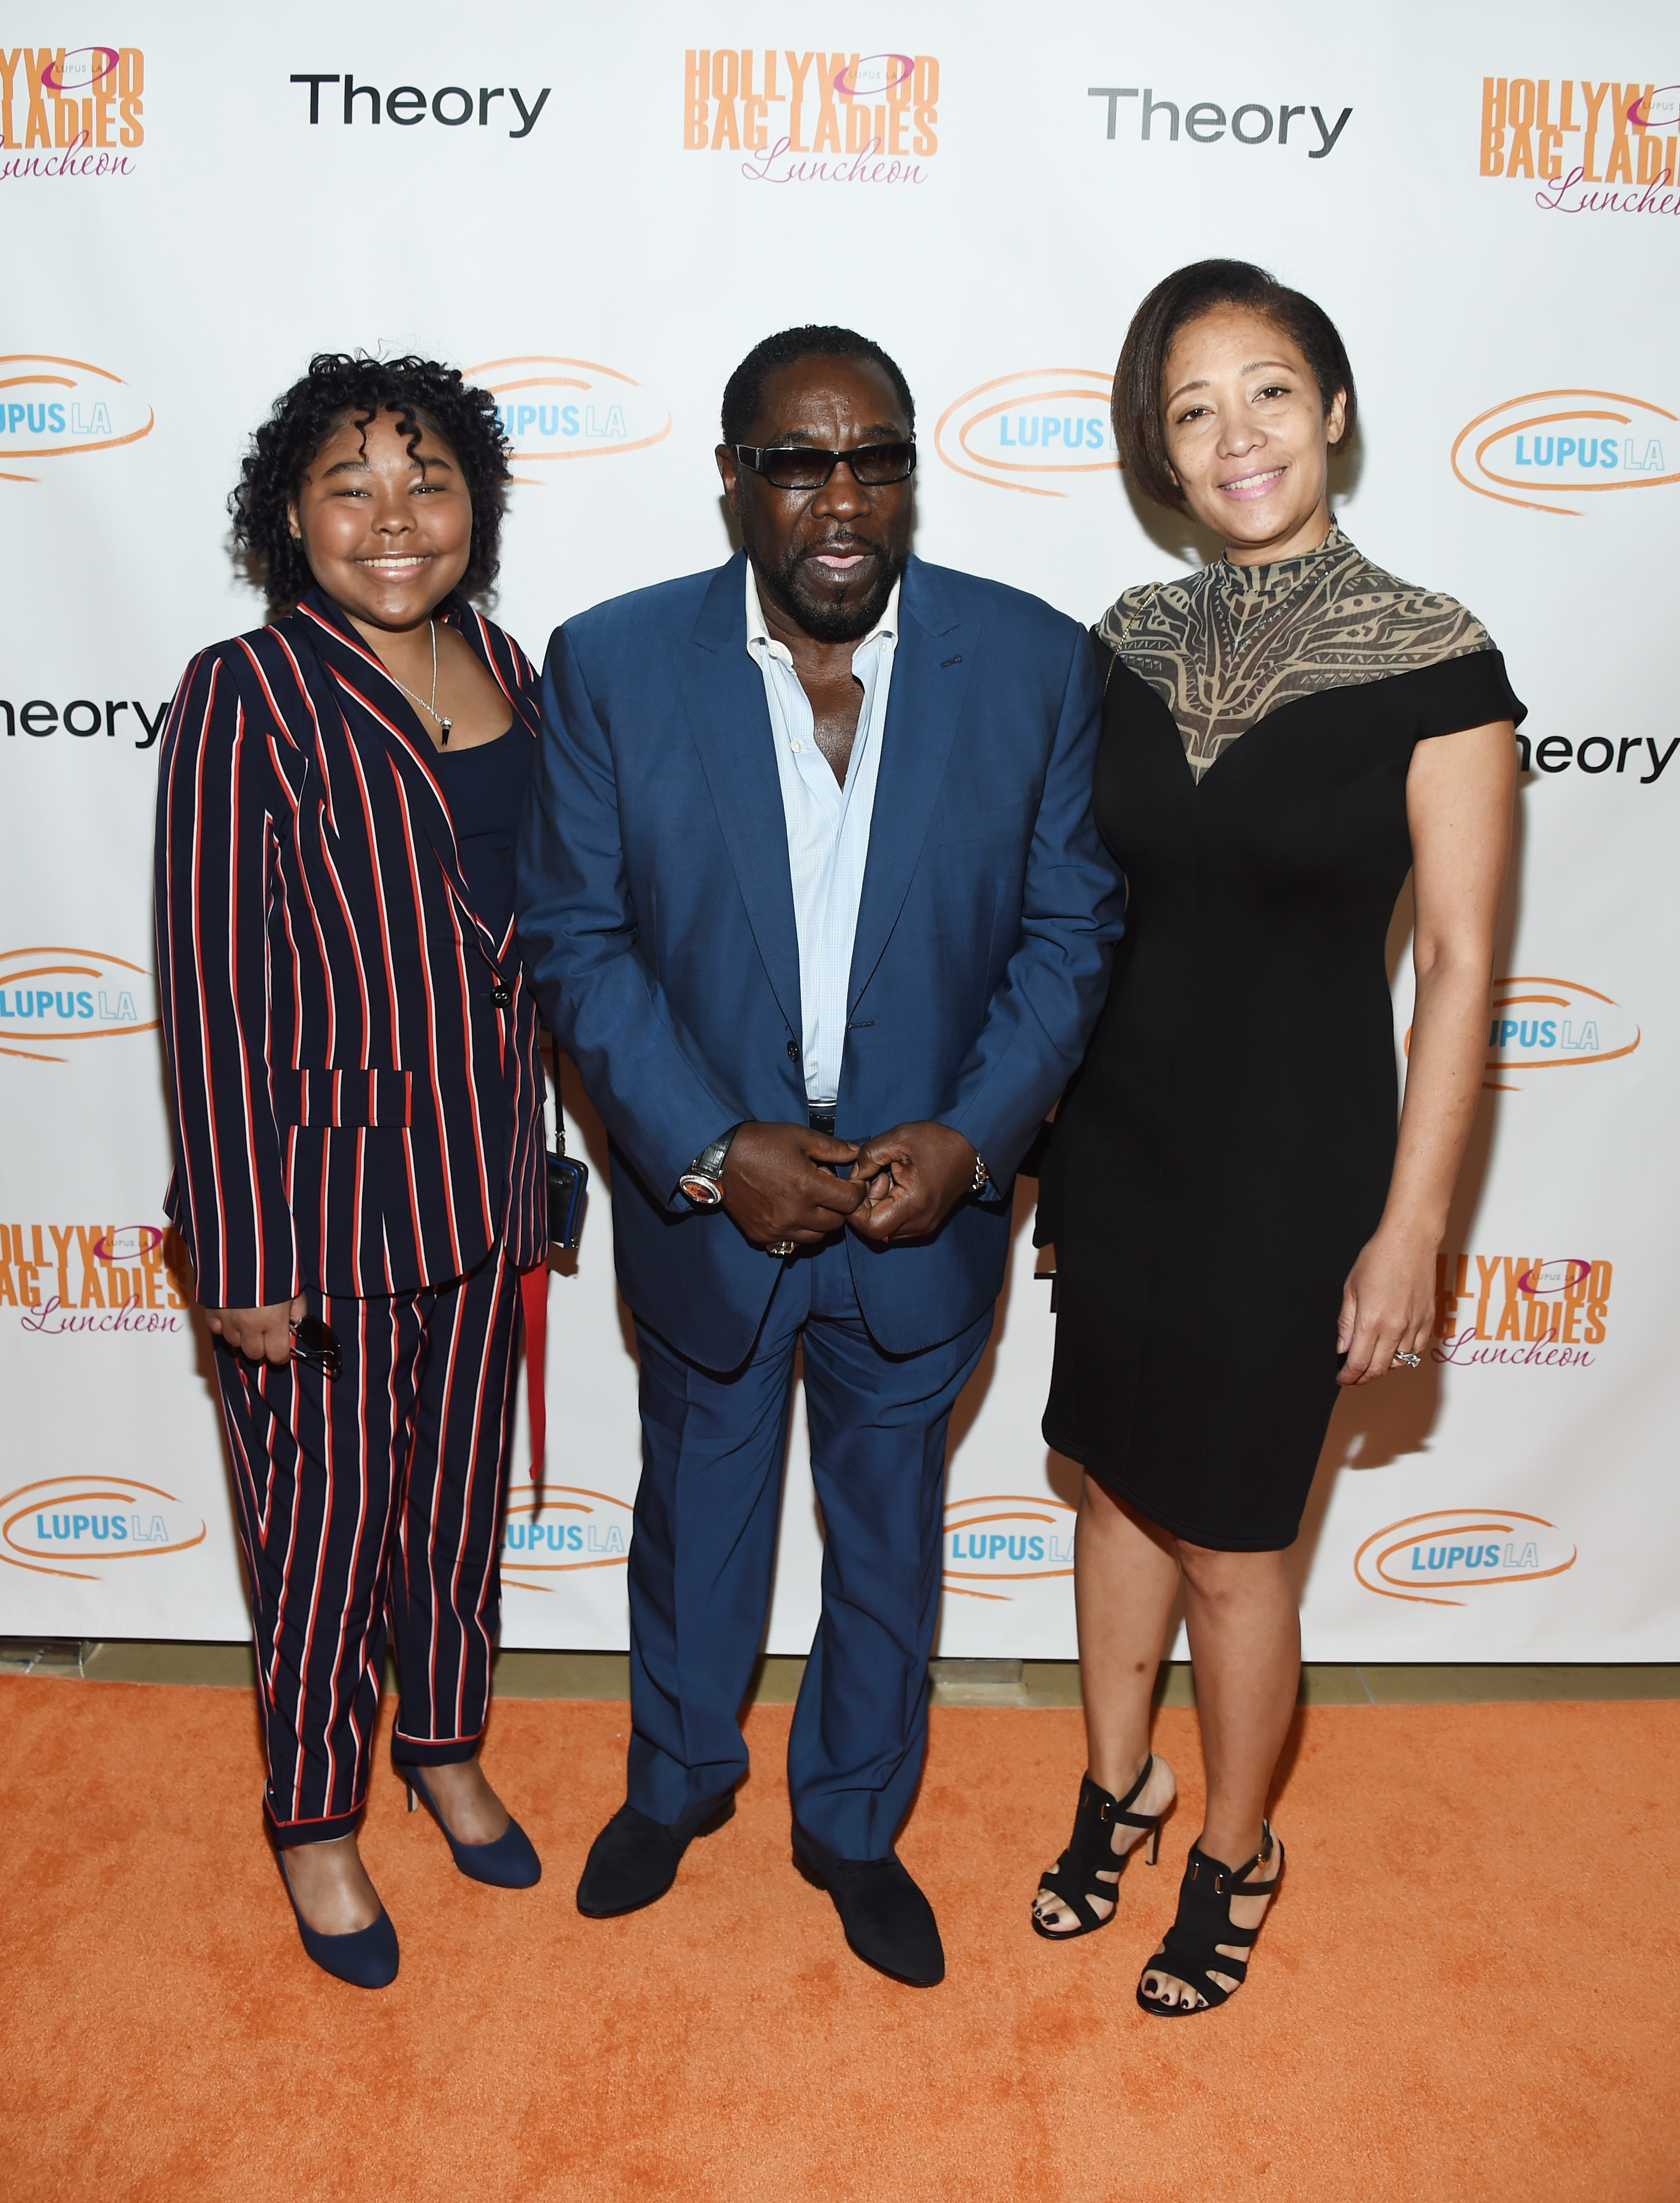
633 1860
889 1923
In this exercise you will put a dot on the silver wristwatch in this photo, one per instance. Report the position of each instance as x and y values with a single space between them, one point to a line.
703 1180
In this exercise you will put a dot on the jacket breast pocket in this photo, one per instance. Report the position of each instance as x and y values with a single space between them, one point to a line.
341 1096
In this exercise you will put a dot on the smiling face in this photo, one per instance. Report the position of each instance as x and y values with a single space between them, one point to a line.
388 531
1248 435
827 558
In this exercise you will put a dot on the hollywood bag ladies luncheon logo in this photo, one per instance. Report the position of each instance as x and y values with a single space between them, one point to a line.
554 408
52 408
1521 1311
555 1528
82 1527
1005 1538
1031 431
1428 1558
813 118
69 1278
70 113
1551 444
1584 148
59 995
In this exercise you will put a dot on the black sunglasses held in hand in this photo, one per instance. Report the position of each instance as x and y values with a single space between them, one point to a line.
801 466
316 1344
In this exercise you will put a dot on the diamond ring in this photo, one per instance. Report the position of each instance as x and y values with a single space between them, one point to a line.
779 1246
1407 1360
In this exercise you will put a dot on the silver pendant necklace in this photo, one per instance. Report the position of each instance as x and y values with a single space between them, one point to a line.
444 725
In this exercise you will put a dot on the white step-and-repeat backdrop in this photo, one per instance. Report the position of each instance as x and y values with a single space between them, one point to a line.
598 212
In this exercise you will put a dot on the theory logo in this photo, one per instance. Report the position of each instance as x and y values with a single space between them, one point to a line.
1045 421
1597 754
453 106
561 1526
1006 1537
552 408
82 718
1529 1311
880 110
1572 443
67 1526
70 994
50 407
1469 1549
1205 121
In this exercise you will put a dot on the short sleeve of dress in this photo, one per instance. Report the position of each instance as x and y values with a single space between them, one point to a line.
1464 692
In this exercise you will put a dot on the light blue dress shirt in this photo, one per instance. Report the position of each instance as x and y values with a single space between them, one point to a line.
828 828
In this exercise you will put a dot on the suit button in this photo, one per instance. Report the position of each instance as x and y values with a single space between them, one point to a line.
501 994
793 1051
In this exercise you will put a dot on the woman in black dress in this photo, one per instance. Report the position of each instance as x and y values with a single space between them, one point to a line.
1238 1228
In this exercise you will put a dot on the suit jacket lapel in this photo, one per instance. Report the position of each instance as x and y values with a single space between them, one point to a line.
929 678
722 692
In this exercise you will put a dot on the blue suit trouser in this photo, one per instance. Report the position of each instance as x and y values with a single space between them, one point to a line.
701 1559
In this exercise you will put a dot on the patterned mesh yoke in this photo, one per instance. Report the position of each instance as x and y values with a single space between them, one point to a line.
1224 647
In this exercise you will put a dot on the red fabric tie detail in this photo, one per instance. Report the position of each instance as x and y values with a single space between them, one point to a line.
534 1303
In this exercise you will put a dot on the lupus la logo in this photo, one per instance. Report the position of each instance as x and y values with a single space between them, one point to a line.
64 1278
1627 126
1469 1549
1005 1538
552 408
71 994
1206 122
876 113
1530 450
557 1527
1553 1024
1047 422
69 1525
1527 1311
71 113
50 407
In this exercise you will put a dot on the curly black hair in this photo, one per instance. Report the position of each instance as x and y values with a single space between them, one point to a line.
423 394
815 340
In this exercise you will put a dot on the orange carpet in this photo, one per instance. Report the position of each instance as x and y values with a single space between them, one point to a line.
1468 1988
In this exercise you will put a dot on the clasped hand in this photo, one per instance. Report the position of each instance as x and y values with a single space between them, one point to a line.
781 1182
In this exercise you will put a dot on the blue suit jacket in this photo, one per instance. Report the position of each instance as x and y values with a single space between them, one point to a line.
655 911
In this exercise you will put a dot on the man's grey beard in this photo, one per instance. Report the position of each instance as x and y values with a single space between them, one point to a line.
821 619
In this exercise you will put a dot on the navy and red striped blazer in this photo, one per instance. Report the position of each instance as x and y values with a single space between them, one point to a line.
357 1087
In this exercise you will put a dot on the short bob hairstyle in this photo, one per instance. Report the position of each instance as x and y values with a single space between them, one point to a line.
1184 297
341 387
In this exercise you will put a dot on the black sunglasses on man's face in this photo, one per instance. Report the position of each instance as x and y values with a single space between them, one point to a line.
801 466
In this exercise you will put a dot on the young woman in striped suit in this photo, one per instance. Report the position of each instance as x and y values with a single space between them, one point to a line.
358 1092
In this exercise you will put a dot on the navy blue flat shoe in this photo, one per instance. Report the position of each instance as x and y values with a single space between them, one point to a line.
509 1862
367 1958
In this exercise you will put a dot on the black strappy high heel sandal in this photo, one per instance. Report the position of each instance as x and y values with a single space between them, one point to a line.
1091 1866
1191 1953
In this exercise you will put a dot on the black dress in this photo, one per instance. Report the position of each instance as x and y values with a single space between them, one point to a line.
1225 1150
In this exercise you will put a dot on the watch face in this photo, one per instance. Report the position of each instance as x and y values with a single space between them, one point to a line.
704 1192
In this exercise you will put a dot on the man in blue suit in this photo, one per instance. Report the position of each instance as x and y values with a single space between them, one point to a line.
811 895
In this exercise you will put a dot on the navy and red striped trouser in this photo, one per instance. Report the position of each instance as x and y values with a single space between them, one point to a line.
373 1496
